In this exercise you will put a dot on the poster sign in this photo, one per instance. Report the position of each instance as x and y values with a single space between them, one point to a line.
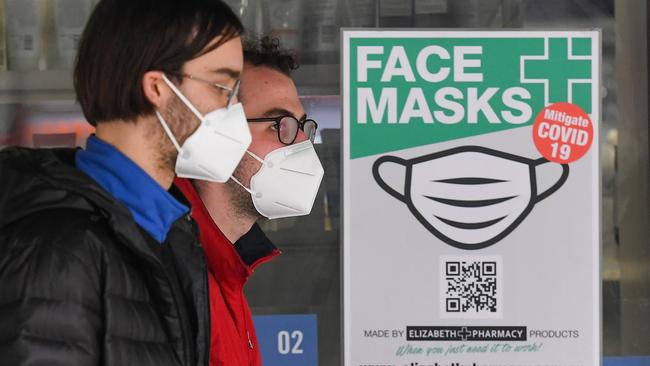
471 198
287 340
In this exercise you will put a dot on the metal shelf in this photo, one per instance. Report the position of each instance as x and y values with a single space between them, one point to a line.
48 85
35 86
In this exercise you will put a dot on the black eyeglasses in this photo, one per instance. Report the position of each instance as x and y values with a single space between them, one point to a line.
232 92
287 127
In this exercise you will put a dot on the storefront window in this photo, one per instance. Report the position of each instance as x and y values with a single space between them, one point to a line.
37 109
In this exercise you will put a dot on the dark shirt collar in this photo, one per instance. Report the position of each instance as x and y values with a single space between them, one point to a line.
254 245
153 208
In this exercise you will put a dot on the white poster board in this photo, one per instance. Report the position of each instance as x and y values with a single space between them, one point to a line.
471 197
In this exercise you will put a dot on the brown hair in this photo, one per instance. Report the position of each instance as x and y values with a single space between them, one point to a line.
266 51
124 39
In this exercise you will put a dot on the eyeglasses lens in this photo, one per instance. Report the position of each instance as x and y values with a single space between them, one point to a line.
309 127
288 129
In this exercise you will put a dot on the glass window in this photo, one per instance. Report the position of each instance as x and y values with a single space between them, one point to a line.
37 109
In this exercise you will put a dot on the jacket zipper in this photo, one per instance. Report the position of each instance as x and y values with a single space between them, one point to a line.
182 315
206 312
177 296
268 257
206 290
246 326
250 343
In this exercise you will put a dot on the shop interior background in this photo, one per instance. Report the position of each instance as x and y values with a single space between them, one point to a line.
38 41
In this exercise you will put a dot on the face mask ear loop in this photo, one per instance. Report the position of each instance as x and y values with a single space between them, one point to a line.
256 157
183 98
241 185
238 182
168 131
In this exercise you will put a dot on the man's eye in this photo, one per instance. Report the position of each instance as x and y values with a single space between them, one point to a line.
274 127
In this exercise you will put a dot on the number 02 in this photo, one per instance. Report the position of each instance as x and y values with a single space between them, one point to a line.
284 342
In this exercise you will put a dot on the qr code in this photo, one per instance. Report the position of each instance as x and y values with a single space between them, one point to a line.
471 287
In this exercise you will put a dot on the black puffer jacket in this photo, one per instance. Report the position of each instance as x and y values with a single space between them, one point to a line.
82 284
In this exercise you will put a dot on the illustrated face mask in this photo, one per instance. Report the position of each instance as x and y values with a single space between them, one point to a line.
213 151
287 183
470 197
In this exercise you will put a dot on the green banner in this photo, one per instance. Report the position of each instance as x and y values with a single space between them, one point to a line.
448 88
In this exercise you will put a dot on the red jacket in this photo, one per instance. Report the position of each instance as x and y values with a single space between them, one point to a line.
232 335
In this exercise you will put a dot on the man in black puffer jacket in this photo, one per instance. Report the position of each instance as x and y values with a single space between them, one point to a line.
81 283
99 259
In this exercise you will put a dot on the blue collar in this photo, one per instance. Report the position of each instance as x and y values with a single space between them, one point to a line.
153 208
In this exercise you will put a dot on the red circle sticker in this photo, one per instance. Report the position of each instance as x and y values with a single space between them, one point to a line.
563 132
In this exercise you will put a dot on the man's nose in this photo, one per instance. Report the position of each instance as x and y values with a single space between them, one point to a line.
300 136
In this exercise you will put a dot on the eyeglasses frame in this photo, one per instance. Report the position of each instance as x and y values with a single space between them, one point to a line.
301 125
232 92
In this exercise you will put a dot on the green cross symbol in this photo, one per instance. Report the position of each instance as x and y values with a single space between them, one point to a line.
557 69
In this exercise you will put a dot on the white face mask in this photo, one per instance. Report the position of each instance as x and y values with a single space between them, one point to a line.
470 197
287 183
213 151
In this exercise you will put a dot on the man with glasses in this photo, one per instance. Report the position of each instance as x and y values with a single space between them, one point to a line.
100 263
278 177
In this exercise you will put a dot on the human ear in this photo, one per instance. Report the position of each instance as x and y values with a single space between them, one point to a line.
155 89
